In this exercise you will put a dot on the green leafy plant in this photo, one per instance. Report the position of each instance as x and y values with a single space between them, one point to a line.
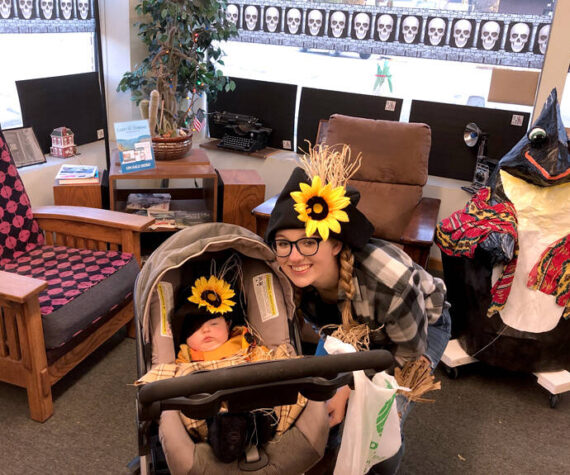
183 60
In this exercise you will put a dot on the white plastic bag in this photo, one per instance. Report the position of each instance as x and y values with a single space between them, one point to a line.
372 425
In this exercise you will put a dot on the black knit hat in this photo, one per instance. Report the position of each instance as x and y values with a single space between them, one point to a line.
355 233
194 320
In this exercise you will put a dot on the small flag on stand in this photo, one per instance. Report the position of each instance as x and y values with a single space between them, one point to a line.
198 120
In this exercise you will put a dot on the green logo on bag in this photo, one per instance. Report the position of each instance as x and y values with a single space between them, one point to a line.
383 415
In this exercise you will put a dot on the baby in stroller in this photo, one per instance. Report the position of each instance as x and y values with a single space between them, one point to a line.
208 334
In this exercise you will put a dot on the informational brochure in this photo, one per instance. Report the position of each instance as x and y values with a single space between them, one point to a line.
76 171
135 146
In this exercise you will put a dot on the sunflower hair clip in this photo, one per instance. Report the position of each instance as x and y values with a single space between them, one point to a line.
215 293
320 205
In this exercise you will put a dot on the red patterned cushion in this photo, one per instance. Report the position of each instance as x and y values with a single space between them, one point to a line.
68 271
19 231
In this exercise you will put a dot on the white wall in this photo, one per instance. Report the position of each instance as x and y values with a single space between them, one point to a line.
39 179
116 31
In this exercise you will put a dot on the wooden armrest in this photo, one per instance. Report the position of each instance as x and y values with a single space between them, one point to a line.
421 228
19 288
113 219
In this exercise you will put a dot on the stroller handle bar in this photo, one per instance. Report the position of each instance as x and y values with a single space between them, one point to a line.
263 372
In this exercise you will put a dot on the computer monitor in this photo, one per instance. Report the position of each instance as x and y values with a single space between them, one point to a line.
450 157
73 101
317 104
272 103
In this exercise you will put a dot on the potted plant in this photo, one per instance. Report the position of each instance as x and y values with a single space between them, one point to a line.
182 64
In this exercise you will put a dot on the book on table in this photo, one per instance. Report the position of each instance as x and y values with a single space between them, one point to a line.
77 174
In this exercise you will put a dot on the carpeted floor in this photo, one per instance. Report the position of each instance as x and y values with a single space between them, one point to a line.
487 421
93 429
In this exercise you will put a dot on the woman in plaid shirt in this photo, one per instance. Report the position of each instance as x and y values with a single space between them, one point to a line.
342 276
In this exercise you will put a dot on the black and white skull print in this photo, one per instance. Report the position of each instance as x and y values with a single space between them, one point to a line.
361 26
293 21
65 9
272 20
385 27
315 26
26 8
5 9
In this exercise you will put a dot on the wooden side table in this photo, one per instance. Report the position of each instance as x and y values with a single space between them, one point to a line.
243 190
88 194
194 165
262 214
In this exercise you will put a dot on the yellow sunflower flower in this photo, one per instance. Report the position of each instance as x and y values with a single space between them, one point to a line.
320 207
214 294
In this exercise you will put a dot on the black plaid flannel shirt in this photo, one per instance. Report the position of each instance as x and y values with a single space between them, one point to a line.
391 292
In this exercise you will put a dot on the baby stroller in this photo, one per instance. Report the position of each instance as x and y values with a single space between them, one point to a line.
164 444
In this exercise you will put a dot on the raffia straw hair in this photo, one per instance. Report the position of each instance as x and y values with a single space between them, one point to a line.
230 271
333 164
356 334
417 376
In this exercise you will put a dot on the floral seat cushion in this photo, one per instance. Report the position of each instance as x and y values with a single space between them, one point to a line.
83 286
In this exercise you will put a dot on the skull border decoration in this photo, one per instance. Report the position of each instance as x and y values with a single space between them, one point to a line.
435 31
26 8
385 30
518 37
83 9
315 22
251 18
338 24
461 33
293 18
272 19
65 9
47 9
361 26
6 9
411 29
490 36
542 38
232 14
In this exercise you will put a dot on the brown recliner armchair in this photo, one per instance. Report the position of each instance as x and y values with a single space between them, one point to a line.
391 179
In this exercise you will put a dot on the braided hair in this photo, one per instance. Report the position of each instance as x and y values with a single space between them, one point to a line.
346 283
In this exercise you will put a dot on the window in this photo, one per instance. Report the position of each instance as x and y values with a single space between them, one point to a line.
432 50
30 56
41 39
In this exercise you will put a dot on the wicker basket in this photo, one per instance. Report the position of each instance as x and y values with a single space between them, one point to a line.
171 148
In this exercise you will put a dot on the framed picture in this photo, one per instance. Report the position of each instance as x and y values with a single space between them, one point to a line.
24 146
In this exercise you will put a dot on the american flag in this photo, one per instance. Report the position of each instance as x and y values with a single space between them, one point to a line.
198 120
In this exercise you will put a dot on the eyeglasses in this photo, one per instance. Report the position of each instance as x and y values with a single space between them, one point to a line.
307 246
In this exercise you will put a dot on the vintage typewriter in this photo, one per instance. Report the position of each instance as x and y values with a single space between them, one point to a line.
241 132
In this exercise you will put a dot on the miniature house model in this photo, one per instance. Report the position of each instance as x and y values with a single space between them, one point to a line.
62 144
